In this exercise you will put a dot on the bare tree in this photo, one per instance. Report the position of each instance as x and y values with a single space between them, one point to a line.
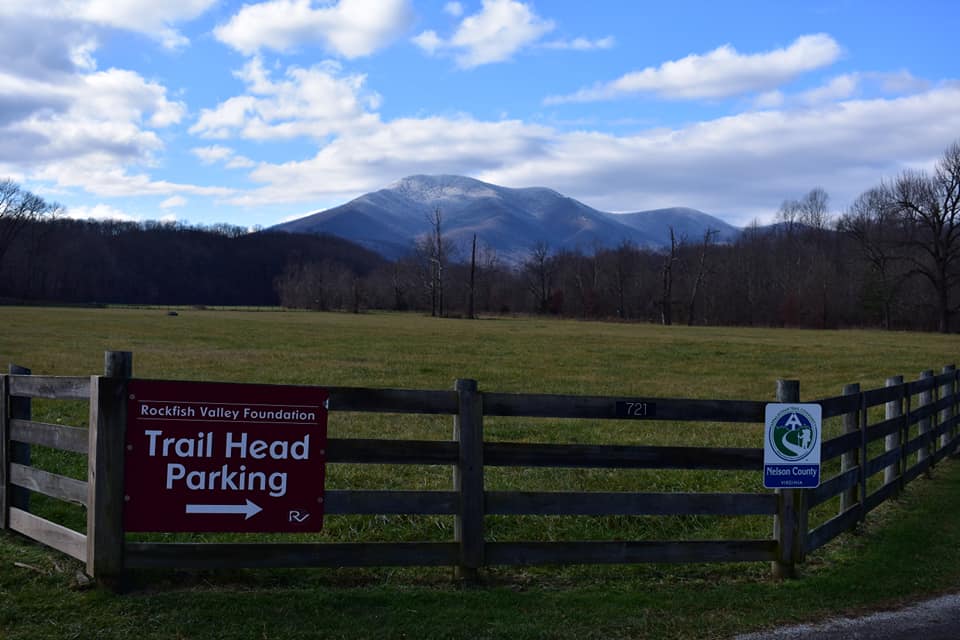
471 307
871 221
708 237
539 274
810 211
623 274
928 206
17 209
666 273
432 250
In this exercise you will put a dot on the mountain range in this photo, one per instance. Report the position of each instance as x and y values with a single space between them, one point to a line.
510 221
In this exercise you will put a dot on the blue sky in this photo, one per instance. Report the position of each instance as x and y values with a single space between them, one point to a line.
210 111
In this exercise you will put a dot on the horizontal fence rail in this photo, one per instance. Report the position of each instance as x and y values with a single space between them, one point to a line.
918 428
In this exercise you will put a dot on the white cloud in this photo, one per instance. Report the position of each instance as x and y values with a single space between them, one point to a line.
212 154
454 9
582 44
365 160
240 162
102 175
350 28
313 103
838 88
900 82
770 99
429 41
67 116
148 17
100 212
494 34
844 87
173 202
219 153
720 73
740 166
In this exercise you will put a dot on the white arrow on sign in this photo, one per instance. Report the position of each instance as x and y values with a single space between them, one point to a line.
249 510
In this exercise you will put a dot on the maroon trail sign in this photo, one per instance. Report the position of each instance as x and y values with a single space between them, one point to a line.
211 456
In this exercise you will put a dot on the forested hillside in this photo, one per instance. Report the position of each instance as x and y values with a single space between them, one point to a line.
891 260
72 261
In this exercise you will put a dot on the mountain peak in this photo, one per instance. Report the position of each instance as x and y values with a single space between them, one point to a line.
429 188
509 221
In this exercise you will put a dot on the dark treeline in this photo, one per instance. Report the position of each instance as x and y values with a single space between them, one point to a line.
892 260
73 261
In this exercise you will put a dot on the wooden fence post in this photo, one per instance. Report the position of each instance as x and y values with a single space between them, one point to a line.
946 414
864 456
20 409
924 425
105 496
790 522
468 529
850 459
893 409
4 452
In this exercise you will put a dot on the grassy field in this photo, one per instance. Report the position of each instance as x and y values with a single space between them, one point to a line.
503 354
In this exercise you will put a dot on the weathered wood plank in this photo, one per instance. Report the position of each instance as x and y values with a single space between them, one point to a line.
789 523
948 375
864 453
56 436
391 502
922 441
944 402
151 555
926 408
51 534
625 503
50 484
537 553
947 449
945 427
922 412
392 451
850 459
873 397
20 408
5 445
835 485
926 383
893 410
838 405
884 428
883 461
878 497
605 408
838 446
105 468
508 454
947 395
832 528
51 387
468 527
392 400
911 473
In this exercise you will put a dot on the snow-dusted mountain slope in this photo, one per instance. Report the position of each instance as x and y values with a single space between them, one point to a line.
511 221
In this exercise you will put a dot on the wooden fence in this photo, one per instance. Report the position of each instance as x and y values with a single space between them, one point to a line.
918 429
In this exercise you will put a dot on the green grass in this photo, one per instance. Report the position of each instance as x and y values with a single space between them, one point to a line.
503 354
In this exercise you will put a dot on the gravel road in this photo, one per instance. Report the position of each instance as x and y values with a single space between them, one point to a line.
937 619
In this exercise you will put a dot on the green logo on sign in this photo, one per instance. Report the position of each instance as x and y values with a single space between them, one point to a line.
793 434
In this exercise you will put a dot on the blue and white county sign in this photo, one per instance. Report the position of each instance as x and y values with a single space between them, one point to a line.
791 446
